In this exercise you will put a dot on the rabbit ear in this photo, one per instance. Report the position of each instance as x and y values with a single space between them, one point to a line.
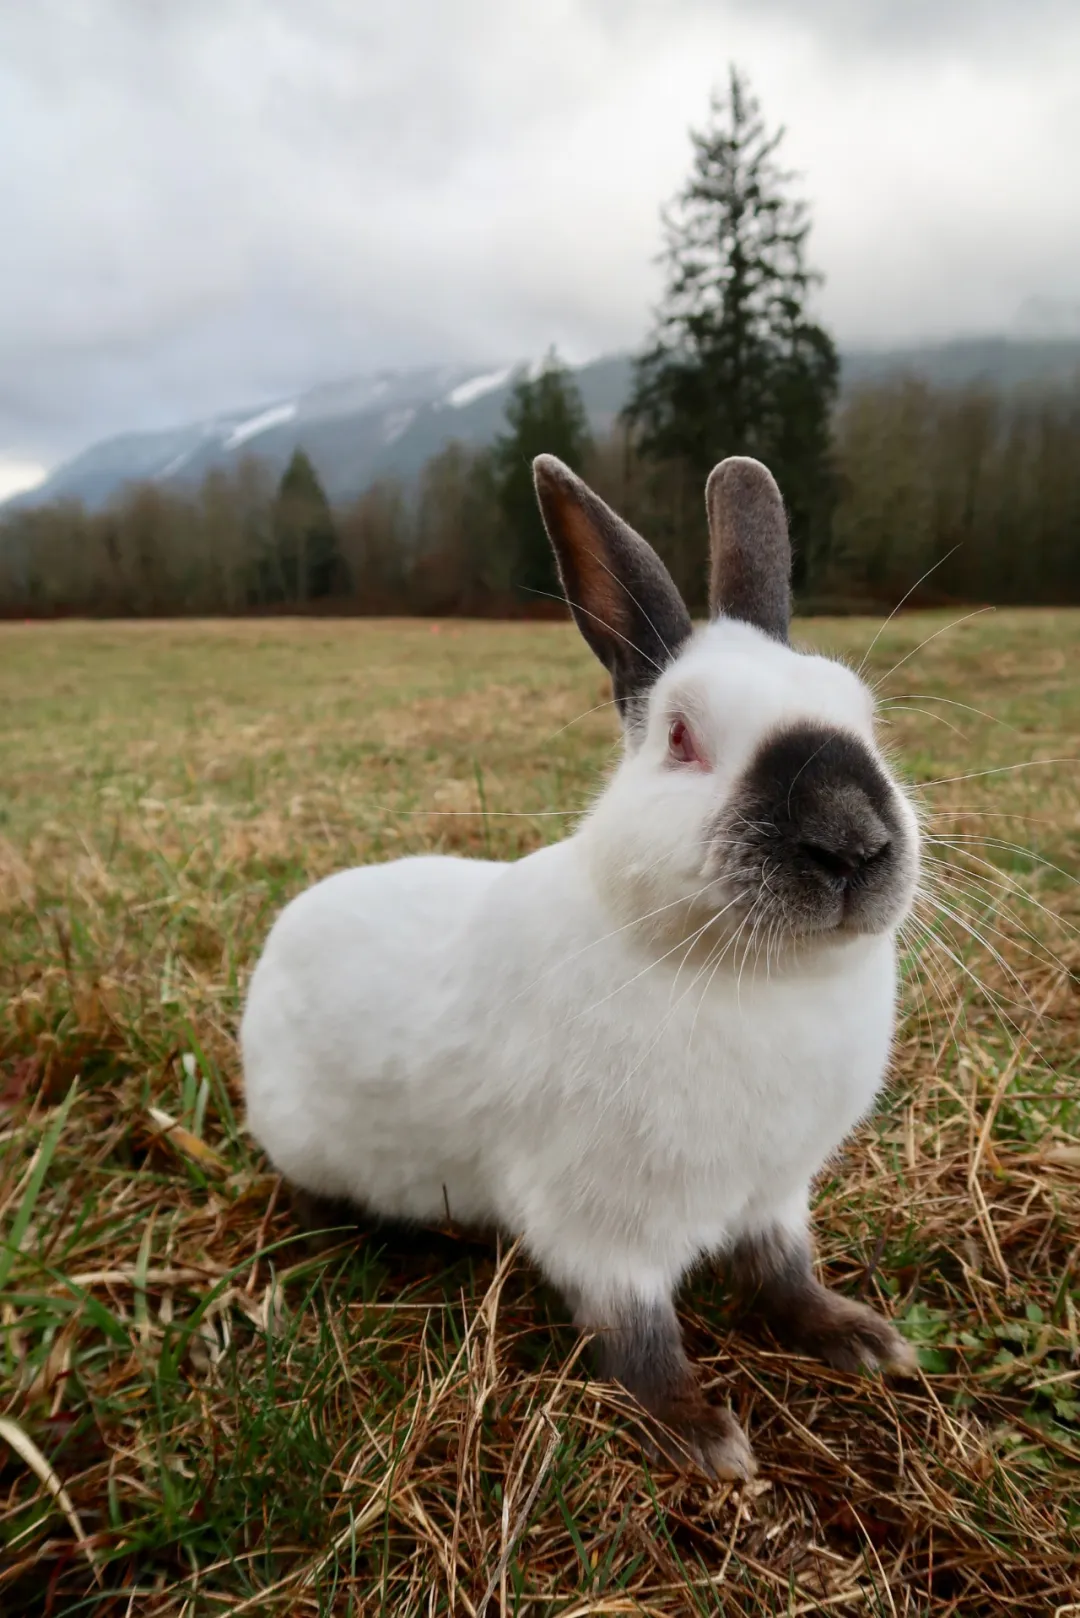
750 569
621 595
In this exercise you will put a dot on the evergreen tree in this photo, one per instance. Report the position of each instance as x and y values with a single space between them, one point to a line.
737 365
306 562
546 416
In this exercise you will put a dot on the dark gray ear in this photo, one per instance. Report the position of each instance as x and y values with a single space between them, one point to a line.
750 573
620 593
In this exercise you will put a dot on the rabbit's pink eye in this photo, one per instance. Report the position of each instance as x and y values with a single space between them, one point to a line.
681 743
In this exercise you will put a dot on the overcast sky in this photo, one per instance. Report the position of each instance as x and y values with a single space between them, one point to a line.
209 203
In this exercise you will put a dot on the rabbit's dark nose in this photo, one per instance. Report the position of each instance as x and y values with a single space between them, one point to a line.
843 853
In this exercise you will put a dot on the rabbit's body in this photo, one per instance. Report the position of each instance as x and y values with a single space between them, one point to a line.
636 1047
420 1040
354 1039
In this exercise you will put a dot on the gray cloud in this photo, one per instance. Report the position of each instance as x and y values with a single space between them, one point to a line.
922 26
217 202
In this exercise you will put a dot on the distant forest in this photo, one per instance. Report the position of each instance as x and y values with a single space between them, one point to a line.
967 492
981 486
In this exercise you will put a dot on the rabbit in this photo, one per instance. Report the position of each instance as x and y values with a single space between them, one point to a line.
634 1048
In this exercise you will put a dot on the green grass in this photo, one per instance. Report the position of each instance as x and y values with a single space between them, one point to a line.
399 1424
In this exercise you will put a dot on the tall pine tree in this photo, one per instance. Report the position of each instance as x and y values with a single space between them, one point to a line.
737 365
545 416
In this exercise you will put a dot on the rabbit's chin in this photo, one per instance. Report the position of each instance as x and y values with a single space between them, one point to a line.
750 931
724 929
733 911
792 917
789 909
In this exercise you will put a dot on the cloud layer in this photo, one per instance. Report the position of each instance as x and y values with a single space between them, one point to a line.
210 204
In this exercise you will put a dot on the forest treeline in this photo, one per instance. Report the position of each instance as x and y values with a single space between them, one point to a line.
981 486
975 491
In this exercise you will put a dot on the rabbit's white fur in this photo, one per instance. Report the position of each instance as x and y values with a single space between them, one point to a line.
536 1046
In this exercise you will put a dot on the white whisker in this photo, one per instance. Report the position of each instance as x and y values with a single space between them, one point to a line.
905 597
876 687
1000 769
930 696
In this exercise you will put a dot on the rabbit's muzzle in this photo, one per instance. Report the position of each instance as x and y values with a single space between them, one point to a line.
816 837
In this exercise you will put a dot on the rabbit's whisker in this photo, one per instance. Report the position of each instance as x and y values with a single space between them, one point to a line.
705 991
876 687
1006 848
905 597
1013 889
930 696
669 1014
751 921
600 706
626 588
995 1001
596 619
907 707
977 812
966 923
977 888
912 958
489 814
603 939
689 942
732 902
999 769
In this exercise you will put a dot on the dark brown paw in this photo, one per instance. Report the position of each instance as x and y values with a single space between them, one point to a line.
851 1336
695 1434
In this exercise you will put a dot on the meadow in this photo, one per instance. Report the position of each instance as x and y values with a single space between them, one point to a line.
201 1415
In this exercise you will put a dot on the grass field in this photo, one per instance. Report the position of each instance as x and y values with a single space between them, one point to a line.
198 1417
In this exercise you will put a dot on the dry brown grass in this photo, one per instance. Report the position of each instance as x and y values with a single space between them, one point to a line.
200 1418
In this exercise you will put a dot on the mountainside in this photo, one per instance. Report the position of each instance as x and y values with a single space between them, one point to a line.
1003 362
391 422
354 431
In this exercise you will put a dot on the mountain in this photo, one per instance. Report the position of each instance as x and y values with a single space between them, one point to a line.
391 422
1002 362
354 430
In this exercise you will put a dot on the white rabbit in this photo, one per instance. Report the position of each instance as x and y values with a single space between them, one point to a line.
637 1047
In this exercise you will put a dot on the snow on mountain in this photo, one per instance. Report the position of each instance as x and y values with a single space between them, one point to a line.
19 477
173 466
390 423
355 429
467 392
274 417
396 423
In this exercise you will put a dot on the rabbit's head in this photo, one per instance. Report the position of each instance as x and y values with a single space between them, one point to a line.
751 788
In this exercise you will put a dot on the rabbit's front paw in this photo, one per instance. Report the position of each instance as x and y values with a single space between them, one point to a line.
690 1432
850 1336
774 1271
639 1346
